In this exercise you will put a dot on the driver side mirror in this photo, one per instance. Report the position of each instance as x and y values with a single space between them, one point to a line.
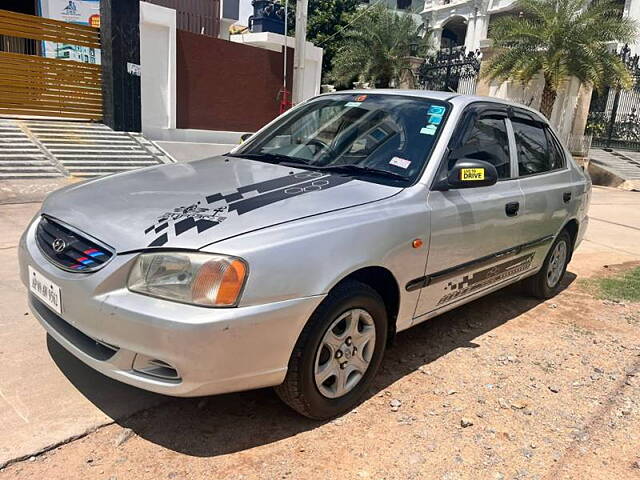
469 173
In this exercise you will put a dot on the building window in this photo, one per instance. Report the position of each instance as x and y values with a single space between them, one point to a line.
403 4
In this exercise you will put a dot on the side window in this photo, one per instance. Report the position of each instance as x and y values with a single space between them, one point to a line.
537 151
487 140
557 153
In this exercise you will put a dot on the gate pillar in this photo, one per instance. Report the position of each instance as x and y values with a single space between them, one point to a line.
120 35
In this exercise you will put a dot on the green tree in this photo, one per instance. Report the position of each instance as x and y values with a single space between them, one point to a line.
326 20
375 47
560 39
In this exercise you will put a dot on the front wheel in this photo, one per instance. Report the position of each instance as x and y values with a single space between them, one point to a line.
338 353
546 282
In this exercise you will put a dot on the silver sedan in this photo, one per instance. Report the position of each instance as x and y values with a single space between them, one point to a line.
292 260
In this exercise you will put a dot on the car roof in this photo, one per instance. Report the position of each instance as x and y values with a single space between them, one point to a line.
456 99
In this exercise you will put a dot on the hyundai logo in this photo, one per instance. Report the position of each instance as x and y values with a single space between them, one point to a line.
58 245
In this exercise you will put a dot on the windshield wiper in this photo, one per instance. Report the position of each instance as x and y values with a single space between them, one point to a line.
354 168
287 161
270 158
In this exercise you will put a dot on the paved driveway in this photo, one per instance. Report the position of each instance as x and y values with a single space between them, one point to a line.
47 397
41 385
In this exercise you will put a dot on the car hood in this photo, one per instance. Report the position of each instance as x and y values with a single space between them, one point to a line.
190 205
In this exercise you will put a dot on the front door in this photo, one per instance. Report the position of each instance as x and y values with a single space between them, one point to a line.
474 230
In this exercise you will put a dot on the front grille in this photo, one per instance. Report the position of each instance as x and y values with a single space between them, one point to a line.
68 249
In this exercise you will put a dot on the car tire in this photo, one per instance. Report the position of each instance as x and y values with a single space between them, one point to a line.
546 283
350 305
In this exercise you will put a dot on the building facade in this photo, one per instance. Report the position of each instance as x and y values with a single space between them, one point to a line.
457 23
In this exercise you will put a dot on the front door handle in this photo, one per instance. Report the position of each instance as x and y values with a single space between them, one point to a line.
511 209
566 197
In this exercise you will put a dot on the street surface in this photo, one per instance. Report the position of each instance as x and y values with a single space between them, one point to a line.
504 388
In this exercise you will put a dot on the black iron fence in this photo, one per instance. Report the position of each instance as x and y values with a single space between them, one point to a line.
614 114
451 70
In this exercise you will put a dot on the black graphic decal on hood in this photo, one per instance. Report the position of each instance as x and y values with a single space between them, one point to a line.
217 207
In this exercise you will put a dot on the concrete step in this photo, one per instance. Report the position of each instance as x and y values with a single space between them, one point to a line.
102 151
109 134
79 148
20 175
129 154
17 149
24 162
28 168
59 124
22 155
93 168
123 141
83 163
78 128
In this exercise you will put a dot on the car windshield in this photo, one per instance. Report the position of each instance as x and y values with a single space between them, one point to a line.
380 137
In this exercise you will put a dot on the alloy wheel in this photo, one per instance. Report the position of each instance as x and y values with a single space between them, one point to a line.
345 352
556 264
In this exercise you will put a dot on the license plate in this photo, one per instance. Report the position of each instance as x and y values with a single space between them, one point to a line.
45 290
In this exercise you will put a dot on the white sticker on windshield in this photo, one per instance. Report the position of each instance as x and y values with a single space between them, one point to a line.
352 104
428 130
400 162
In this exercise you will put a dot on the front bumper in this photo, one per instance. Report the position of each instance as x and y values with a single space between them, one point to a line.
212 350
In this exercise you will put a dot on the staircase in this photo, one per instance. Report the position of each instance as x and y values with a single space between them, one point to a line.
32 148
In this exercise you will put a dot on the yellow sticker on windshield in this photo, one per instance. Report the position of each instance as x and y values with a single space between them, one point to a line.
471 174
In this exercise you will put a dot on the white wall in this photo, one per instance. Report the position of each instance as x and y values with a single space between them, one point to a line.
246 10
632 10
565 106
158 66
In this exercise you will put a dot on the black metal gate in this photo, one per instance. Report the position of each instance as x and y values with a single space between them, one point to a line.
451 70
614 114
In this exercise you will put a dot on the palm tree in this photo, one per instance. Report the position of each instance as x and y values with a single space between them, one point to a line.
376 47
561 38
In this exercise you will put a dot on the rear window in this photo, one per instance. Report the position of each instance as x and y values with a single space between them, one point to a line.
537 150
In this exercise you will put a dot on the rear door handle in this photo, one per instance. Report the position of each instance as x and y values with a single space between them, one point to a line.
566 197
511 209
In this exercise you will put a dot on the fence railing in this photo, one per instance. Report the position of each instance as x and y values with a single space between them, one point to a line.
195 16
20 25
614 114
579 145
451 70
31 84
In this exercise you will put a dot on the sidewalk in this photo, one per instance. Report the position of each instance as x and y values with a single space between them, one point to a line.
613 235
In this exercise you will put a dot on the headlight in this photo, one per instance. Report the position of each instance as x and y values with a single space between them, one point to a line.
196 278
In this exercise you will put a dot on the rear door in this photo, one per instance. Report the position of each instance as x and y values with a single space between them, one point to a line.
545 180
474 230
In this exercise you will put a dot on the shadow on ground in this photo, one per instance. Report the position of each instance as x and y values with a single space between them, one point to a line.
223 424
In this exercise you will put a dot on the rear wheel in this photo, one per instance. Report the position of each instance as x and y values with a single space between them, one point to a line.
546 283
338 353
